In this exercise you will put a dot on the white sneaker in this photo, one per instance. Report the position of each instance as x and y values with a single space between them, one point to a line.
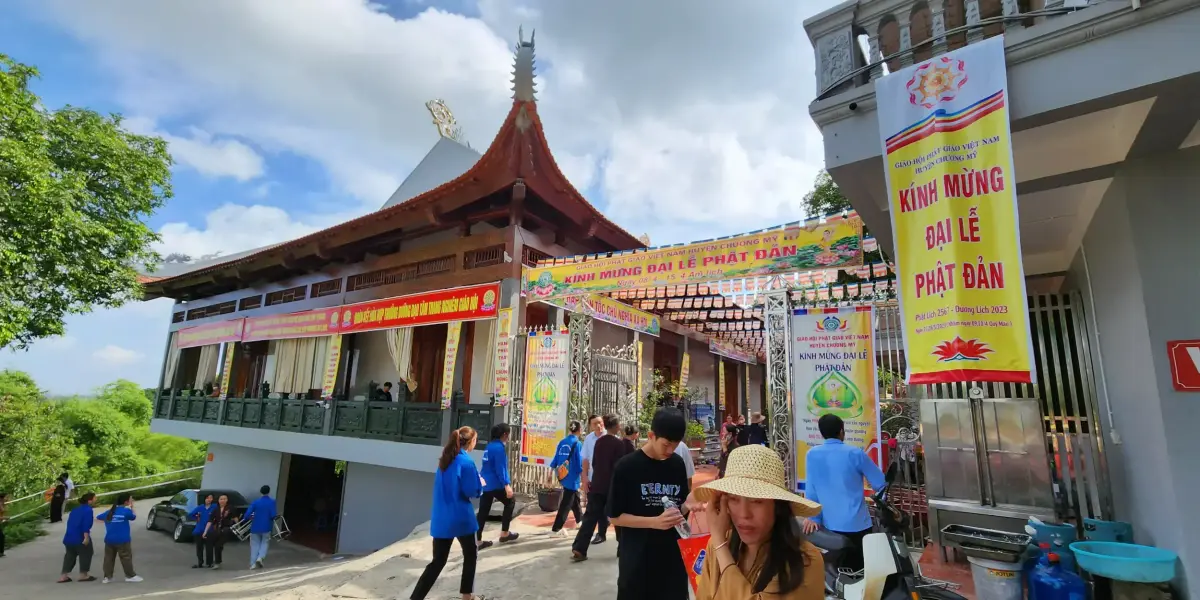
105 580
134 579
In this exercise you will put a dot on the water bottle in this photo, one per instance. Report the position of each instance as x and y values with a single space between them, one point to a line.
1052 582
683 529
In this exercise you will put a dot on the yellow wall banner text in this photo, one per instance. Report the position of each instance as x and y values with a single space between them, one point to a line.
720 384
453 334
603 308
333 359
953 199
547 391
685 369
836 242
503 356
227 368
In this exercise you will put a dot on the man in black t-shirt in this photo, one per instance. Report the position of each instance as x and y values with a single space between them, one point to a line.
609 449
649 562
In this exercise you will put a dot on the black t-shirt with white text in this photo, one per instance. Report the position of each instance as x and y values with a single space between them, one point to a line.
650 564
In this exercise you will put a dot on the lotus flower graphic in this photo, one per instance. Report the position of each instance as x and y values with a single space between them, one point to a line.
834 393
960 349
544 286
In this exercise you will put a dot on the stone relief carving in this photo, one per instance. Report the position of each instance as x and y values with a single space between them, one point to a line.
972 12
939 27
835 57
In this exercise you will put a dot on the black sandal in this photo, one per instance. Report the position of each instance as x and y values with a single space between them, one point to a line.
88 578
512 537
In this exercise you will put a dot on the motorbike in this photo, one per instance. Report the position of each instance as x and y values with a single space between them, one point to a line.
889 572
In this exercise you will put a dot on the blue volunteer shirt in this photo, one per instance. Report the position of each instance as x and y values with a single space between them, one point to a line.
79 522
116 530
495 466
453 489
570 451
200 516
262 512
834 474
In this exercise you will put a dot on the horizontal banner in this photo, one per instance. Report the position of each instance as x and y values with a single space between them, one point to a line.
836 242
443 306
210 333
730 351
603 308
309 323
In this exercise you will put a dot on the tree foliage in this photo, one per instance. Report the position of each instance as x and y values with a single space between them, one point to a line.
106 436
34 446
75 188
128 399
825 197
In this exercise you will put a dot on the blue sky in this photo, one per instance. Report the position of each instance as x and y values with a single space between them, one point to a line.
287 116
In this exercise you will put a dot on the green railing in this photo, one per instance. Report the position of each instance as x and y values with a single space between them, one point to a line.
410 422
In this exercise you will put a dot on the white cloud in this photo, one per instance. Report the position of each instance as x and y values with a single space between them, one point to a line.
116 355
213 157
235 227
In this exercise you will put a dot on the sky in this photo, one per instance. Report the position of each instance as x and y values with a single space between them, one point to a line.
681 119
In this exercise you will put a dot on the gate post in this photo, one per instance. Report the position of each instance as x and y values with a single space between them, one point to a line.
580 328
778 315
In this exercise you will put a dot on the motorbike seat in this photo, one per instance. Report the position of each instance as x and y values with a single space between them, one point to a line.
829 541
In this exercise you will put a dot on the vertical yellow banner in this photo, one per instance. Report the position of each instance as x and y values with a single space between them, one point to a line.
685 369
453 334
503 380
641 345
333 358
720 384
227 368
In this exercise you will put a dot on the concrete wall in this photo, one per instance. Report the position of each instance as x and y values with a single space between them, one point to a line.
374 361
480 351
606 334
755 401
243 469
703 372
381 506
1140 285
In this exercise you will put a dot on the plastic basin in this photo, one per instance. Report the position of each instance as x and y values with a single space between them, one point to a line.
1126 562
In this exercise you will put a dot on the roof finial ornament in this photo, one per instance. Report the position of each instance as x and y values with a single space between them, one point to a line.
443 119
644 239
524 86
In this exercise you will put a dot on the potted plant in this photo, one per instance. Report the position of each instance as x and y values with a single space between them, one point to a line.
694 436
549 494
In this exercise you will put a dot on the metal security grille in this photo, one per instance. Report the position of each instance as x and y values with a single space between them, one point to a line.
614 383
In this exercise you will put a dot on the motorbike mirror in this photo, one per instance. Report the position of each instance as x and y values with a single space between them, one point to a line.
891 473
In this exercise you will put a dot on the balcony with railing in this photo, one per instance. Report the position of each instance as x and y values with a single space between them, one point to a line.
857 42
399 421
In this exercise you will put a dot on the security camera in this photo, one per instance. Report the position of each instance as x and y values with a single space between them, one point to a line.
853 106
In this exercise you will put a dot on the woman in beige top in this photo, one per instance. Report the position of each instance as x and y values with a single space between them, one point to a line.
756 552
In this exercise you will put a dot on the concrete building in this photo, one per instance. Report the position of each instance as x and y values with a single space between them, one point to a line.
1106 144
278 356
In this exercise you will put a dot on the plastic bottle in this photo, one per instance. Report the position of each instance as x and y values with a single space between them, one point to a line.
1034 558
684 530
1052 582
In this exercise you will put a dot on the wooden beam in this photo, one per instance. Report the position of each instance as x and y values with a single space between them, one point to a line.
431 215
592 226
288 261
464 229
516 209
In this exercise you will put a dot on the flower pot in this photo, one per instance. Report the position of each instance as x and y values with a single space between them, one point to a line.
696 443
548 499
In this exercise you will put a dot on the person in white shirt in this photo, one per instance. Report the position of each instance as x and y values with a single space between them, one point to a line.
70 485
596 424
686 454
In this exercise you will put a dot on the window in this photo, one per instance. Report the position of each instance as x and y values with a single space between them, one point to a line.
250 302
408 272
327 288
289 295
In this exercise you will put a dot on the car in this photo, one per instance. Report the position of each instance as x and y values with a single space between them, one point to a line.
172 514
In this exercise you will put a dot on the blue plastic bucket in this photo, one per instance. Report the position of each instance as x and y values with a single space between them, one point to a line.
1126 562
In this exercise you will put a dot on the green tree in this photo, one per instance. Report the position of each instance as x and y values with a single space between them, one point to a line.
825 197
170 453
34 446
129 399
75 188
107 438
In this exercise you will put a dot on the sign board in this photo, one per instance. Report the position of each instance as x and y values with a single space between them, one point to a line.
308 323
953 204
503 380
731 351
453 336
547 394
603 308
833 359
333 358
1184 356
210 333
469 303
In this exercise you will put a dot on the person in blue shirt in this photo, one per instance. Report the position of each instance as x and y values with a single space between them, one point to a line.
834 473
78 540
570 454
204 549
261 514
455 484
118 541
496 486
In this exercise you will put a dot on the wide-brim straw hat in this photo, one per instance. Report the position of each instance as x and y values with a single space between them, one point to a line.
757 472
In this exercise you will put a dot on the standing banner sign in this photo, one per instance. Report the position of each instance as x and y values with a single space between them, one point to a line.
952 189
227 368
547 385
503 381
833 358
640 346
685 369
333 359
453 334
603 308
720 384
731 351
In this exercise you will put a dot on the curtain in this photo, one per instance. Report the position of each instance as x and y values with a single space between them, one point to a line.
172 362
400 346
285 366
206 370
489 356
299 365
320 355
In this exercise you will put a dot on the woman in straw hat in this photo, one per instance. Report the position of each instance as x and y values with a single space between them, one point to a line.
756 550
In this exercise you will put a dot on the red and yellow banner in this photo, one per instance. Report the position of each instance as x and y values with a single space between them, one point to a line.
443 306
731 351
835 242
308 323
720 384
953 201
504 336
210 333
227 369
